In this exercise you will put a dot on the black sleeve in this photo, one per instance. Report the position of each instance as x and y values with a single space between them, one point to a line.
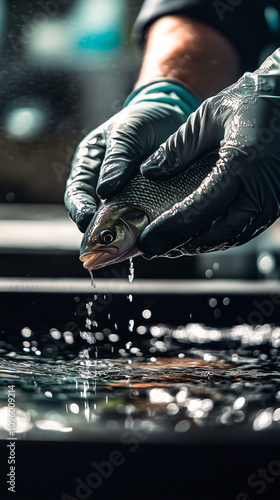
241 21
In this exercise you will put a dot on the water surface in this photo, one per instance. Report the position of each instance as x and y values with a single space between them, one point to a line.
168 381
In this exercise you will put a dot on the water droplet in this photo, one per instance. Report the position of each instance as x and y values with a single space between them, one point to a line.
92 279
131 271
146 314
212 302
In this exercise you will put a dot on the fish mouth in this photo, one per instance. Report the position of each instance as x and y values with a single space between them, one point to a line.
91 259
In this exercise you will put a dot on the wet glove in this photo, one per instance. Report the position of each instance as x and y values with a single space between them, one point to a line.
108 156
241 196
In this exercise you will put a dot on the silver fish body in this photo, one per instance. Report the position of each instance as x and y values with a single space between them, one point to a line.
128 213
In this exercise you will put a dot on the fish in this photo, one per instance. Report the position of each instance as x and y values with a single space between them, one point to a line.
112 234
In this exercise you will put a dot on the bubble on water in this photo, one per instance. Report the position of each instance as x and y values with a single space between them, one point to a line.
226 301
208 273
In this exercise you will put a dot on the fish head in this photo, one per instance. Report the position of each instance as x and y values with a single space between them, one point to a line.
112 236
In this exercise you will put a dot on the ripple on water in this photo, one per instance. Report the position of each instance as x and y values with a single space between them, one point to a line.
176 379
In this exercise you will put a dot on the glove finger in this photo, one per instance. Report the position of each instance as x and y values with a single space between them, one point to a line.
193 215
193 140
130 142
229 229
80 197
252 228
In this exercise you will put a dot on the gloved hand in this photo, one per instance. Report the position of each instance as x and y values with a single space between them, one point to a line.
108 156
241 196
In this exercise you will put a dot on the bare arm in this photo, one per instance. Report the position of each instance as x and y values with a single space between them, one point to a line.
191 52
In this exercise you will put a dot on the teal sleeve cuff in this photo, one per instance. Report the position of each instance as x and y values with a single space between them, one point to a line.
166 91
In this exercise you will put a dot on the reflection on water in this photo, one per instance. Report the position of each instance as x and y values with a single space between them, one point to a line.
172 379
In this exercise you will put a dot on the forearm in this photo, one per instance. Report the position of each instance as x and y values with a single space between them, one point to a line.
190 52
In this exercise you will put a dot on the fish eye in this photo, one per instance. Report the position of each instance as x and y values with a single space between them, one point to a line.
106 236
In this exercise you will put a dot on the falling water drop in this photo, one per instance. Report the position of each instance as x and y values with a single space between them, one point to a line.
92 279
131 325
131 271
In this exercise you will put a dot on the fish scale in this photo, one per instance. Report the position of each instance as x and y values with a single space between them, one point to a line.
124 216
155 197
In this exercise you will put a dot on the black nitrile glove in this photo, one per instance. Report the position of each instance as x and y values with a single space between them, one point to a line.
241 197
108 156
